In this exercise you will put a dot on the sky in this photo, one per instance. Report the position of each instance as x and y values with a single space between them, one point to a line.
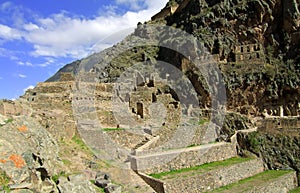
37 37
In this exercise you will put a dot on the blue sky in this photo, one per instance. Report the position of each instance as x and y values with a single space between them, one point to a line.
39 37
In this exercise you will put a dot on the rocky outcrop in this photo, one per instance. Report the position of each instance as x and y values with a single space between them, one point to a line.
28 155
278 151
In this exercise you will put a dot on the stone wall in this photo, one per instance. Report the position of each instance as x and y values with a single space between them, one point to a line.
156 184
165 12
182 158
215 178
65 76
12 108
203 182
283 125
286 182
250 52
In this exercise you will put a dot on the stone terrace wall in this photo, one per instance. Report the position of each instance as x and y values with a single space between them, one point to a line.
215 178
283 125
156 184
12 108
286 182
182 158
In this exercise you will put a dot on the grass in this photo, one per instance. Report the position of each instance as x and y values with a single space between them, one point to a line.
297 190
57 176
9 120
113 129
4 179
192 145
66 162
246 184
200 169
98 189
76 139
202 121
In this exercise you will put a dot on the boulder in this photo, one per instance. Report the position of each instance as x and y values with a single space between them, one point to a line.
75 184
112 188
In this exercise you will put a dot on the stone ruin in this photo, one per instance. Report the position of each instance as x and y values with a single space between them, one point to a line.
66 76
250 53
167 11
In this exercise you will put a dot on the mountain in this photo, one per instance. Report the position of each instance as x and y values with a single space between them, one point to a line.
255 43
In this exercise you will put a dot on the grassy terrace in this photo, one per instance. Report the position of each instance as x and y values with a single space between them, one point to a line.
199 169
113 129
247 184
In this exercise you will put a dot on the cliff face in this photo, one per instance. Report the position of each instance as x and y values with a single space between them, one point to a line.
222 25
256 44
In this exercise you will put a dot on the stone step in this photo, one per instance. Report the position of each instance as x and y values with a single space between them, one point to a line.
275 181
207 177
174 159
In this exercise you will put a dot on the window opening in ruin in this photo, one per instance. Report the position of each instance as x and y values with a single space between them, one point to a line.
242 49
257 55
151 83
154 98
248 49
140 109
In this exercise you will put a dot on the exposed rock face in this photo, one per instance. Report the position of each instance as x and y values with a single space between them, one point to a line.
76 184
28 154
278 151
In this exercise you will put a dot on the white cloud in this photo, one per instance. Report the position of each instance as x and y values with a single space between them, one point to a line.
20 63
8 33
133 4
1 78
62 35
48 62
27 88
22 76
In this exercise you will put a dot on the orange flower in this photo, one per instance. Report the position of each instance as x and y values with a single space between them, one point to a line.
2 161
18 160
23 128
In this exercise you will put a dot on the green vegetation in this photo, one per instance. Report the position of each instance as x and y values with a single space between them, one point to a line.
255 141
245 184
202 121
4 179
57 176
79 142
192 145
113 129
297 190
66 162
9 120
200 169
98 189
